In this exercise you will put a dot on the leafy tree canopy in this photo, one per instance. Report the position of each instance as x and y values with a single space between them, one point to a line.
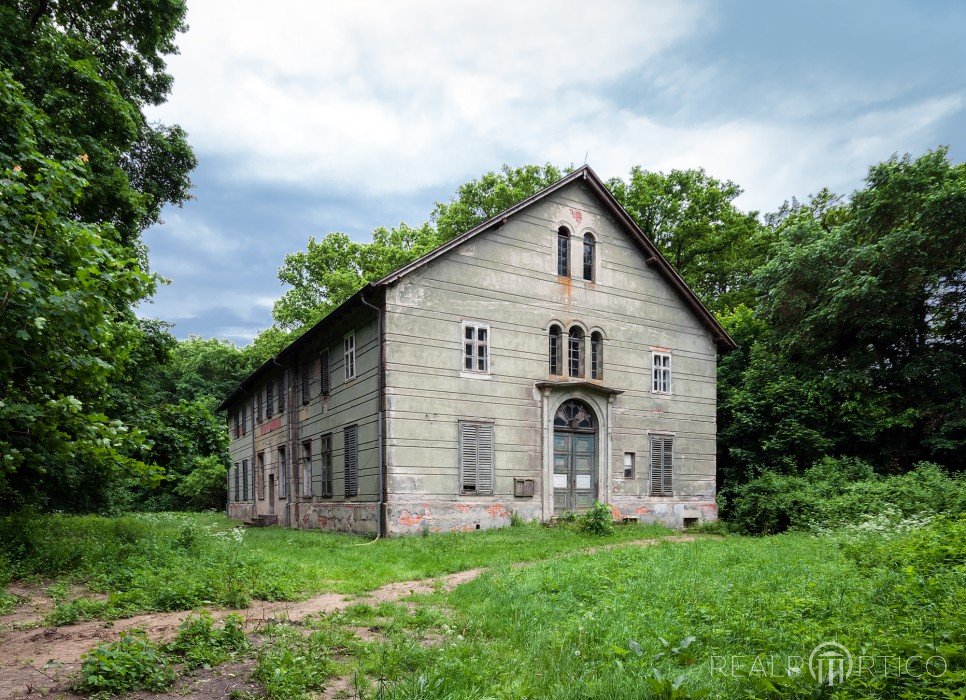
82 172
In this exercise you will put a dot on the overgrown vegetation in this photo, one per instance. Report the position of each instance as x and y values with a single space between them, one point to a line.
133 662
183 561
837 492
669 621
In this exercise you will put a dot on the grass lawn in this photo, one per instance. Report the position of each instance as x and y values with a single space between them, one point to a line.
180 561
733 617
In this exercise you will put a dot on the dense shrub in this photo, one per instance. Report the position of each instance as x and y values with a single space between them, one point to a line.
837 492
598 520
200 642
131 663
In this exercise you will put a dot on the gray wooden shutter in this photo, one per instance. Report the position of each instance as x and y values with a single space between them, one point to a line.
662 461
467 454
281 393
324 373
484 459
351 458
476 457
305 383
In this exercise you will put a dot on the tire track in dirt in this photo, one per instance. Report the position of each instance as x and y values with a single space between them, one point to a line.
38 660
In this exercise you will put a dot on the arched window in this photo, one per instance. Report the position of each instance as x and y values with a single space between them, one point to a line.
596 355
589 251
556 350
563 251
575 352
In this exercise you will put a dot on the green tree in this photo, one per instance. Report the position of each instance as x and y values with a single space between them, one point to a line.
83 172
692 218
332 269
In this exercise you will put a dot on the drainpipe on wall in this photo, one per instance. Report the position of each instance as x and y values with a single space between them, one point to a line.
380 481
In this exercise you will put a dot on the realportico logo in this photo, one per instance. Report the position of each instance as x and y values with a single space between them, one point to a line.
829 663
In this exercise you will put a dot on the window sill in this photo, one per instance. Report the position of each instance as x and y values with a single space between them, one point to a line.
465 374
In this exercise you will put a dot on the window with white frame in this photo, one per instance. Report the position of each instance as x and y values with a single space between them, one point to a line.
661 372
476 347
349 356
260 479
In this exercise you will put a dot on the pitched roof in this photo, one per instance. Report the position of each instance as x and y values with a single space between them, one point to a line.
652 255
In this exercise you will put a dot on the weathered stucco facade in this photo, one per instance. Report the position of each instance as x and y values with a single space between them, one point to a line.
419 410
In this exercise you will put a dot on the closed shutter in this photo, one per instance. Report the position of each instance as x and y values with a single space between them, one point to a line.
351 457
270 400
661 466
305 383
476 457
281 393
324 373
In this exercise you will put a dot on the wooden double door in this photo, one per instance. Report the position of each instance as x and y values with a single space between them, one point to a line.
574 458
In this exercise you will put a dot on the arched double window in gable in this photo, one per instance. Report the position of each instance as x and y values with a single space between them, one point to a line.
563 251
556 349
590 256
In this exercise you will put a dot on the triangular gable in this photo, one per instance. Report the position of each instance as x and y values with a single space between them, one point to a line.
652 255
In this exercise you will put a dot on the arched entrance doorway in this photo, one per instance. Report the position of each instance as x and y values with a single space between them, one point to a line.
574 457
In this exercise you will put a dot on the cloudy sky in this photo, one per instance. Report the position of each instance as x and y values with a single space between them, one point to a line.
312 117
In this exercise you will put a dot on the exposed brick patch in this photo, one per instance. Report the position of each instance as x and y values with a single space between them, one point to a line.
643 510
615 512
498 510
408 519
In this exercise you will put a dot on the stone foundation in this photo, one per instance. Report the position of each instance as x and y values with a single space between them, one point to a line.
244 510
433 515
669 512
359 518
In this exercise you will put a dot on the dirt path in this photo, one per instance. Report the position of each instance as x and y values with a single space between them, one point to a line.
39 660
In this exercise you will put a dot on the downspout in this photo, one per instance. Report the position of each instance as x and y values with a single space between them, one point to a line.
380 480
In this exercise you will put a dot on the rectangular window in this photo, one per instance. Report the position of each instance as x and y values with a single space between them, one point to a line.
325 382
306 378
282 474
258 406
325 455
245 494
662 463
237 424
244 420
349 356
270 400
476 457
476 347
661 372
629 465
281 393
351 459
235 476
307 468
260 477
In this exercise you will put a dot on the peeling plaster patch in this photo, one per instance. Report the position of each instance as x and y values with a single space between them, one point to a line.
408 519
498 510
462 508
643 510
615 512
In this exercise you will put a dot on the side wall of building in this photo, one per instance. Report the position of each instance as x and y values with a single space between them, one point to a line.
312 419
507 279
